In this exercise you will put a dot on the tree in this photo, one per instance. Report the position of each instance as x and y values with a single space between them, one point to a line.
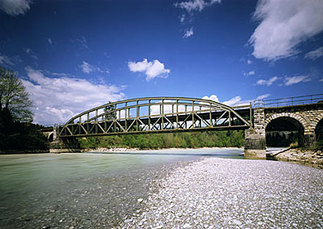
14 99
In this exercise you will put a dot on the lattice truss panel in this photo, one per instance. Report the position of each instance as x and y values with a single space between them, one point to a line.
157 114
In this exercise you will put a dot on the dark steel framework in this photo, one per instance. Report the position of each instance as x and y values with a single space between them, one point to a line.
155 115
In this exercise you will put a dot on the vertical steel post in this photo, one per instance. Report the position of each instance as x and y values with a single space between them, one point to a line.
162 113
177 124
193 122
229 118
149 121
96 120
211 123
250 115
137 127
125 116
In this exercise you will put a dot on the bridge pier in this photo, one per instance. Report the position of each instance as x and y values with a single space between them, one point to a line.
63 145
255 138
255 145
66 145
309 139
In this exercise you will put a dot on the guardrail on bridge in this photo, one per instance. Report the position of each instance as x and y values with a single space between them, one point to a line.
290 101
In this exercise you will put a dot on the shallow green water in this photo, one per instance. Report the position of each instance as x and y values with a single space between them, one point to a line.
34 182
44 172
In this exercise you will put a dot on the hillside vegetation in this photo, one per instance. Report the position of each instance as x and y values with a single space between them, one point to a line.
167 140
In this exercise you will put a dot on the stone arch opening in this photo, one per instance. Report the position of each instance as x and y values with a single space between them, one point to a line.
51 137
283 132
319 133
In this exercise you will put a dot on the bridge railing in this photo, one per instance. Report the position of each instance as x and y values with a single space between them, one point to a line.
289 101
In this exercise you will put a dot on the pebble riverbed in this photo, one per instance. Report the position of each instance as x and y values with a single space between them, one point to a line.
228 193
94 202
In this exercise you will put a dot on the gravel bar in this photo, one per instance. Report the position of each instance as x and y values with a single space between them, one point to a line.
229 193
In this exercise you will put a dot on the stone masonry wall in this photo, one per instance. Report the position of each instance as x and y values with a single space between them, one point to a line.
308 116
259 122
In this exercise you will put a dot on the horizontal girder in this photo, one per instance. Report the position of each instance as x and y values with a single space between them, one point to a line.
155 114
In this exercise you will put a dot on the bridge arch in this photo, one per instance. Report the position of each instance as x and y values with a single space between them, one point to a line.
284 130
294 116
155 114
50 137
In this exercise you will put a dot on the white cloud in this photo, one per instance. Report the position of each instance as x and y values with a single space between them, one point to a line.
58 99
212 97
5 60
315 54
50 41
262 96
195 5
251 73
188 33
31 53
15 7
81 42
182 18
151 69
296 79
249 61
284 25
234 101
267 82
88 68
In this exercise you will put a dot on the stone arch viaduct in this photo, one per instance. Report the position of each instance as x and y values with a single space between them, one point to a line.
306 110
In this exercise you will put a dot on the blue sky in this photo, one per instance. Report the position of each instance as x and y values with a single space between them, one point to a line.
74 55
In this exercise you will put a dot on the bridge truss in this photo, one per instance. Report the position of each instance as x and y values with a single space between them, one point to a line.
154 115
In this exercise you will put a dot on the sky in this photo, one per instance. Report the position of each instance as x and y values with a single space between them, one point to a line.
78 54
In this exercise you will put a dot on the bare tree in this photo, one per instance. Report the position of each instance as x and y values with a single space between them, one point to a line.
13 97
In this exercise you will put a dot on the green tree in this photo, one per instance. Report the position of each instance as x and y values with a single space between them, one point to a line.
14 98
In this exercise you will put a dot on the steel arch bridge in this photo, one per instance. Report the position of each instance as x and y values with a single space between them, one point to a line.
155 115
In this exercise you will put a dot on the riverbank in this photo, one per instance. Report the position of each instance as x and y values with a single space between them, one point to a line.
311 157
227 193
120 149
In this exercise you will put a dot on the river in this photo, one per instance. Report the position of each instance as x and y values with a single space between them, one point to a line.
87 190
